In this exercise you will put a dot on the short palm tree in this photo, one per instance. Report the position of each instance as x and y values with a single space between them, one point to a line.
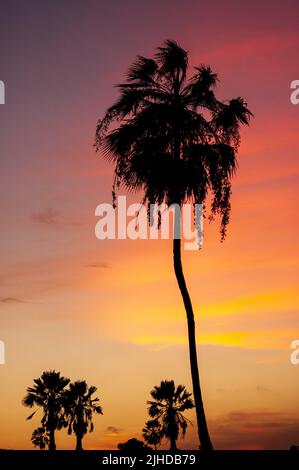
79 407
40 438
170 137
167 408
152 433
47 394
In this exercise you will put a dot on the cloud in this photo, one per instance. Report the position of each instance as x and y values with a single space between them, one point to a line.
112 430
255 415
48 216
261 388
15 300
52 217
11 300
102 265
256 430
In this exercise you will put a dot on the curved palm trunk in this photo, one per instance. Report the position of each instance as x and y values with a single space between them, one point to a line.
79 439
203 433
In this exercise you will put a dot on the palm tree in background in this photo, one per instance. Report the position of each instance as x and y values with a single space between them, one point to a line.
47 394
152 433
40 438
79 406
167 408
170 137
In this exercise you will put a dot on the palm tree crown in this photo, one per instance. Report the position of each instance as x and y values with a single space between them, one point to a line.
168 405
80 406
175 140
40 438
47 393
152 432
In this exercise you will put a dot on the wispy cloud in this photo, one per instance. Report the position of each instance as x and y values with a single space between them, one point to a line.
102 265
15 300
48 216
113 430
256 430
52 217
11 300
261 388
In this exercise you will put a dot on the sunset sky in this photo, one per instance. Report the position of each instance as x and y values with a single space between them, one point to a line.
110 311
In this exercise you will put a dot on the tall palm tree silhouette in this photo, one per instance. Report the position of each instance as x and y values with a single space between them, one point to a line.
47 393
167 408
169 136
40 438
79 406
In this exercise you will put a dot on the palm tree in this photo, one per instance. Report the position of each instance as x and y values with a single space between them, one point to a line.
167 408
40 438
168 136
152 433
79 406
47 393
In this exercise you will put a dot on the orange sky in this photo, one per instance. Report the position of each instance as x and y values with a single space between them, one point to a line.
110 311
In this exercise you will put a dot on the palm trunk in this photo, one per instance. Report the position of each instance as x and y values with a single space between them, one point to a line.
79 442
173 444
52 445
51 424
203 432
